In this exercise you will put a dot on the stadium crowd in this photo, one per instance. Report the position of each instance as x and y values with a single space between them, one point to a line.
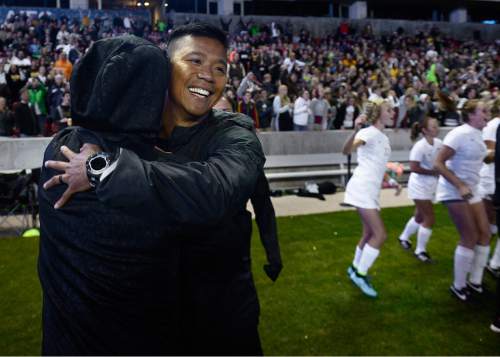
283 80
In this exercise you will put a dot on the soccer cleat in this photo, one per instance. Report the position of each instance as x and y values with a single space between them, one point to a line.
478 288
351 270
405 244
495 325
423 257
493 271
461 294
363 284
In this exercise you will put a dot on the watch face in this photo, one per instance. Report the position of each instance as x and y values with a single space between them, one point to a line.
97 163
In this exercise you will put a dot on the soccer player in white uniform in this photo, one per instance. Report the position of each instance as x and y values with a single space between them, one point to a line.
422 186
458 163
363 189
487 181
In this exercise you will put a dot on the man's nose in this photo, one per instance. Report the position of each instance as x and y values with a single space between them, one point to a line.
206 74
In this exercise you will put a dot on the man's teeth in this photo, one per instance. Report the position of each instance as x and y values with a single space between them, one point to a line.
200 91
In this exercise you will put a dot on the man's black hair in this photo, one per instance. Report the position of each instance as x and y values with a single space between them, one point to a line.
198 29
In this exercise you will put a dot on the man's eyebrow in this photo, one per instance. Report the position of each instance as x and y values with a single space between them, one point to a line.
202 54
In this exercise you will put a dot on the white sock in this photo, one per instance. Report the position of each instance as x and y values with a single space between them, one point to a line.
410 229
462 265
422 238
493 229
368 257
481 254
495 259
357 257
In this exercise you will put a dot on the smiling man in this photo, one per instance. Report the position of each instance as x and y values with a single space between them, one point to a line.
207 167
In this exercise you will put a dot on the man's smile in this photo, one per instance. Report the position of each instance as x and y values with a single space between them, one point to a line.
200 92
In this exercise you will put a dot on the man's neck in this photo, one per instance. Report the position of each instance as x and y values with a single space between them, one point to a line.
172 118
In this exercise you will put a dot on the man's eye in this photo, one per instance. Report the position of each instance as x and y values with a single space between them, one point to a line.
195 60
221 70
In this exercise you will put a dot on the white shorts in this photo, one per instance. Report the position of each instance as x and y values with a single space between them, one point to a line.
486 188
446 193
362 194
419 191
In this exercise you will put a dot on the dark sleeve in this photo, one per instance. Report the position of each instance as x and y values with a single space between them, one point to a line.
196 192
265 218
496 196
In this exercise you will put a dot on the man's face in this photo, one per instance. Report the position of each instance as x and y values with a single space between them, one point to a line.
198 75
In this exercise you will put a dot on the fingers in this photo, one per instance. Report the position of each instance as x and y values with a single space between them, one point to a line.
67 152
57 165
467 196
54 181
64 198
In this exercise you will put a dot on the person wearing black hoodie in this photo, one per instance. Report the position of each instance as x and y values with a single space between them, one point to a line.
107 275
208 166
495 324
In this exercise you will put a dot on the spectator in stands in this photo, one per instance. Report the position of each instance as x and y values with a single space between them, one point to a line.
448 114
6 120
37 99
346 115
413 112
20 60
268 84
56 93
63 35
41 75
63 66
320 109
25 123
249 83
62 115
282 108
236 68
291 63
264 110
302 112
247 106
16 79
231 97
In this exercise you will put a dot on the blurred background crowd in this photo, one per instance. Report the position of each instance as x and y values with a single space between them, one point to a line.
283 79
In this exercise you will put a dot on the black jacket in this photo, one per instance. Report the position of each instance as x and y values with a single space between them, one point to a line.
203 189
108 276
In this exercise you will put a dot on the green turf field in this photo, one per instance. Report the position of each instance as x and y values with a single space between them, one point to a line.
313 309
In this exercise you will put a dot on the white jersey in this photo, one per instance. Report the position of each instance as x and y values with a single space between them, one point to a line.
423 187
470 150
363 189
487 173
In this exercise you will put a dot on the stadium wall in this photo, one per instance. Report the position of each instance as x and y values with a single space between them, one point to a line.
27 153
321 26
317 142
